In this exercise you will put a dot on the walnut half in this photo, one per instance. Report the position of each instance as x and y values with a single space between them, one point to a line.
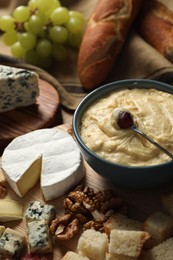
65 227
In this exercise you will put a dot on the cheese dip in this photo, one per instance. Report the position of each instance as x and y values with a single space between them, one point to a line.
153 113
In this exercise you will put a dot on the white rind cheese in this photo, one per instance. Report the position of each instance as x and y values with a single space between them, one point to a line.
18 88
60 165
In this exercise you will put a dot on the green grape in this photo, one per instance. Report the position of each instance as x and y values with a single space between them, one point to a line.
32 5
58 34
32 57
27 40
75 39
74 25
44 47
9 37
76 14
7 23
59 16
59 52
35 24
43 17
17 50
21 13
47 6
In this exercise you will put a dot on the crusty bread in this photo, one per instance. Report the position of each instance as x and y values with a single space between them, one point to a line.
121 222
167 203
103 39
126 242
155 25
119 257
163 251
159 226
93 244
74 256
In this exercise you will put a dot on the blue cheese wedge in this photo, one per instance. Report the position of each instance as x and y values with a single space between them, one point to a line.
40 211
49 154
39 239
18 88
12 244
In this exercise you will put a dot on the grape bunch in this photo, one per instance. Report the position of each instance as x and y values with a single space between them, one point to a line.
42 31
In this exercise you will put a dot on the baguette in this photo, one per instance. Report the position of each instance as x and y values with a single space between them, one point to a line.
155 26
103 39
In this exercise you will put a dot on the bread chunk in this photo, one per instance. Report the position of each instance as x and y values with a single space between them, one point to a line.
93 244
121 222
163 251
74 256
159 226
119 257
126 242
167 203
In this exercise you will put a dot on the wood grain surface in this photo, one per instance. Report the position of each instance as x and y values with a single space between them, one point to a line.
140 204
46 113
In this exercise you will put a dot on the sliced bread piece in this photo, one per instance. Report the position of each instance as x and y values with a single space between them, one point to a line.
126 242
119 257
167 203
163 251
159 226
93 244
70 255
121 222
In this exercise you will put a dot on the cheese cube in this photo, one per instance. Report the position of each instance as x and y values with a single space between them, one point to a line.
39 239
18 88
2 229
12 244
40 211
10 210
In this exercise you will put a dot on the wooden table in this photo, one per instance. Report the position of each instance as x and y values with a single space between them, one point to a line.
140 203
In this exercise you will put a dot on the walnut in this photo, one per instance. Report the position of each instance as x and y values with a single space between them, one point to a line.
92 205
65 227
94 225
3 189
85 207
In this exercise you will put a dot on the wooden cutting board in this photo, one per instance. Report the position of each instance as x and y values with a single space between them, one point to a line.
140 204
46 113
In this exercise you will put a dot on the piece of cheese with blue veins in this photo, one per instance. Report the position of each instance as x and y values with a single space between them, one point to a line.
18 88
51 154
12 244
39 238
39 211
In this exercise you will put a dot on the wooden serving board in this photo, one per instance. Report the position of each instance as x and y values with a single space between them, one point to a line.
140 204
46 113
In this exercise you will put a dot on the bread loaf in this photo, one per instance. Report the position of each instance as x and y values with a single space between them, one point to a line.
103 39
155 26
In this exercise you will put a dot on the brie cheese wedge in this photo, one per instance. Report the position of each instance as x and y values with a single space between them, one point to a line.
49 154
